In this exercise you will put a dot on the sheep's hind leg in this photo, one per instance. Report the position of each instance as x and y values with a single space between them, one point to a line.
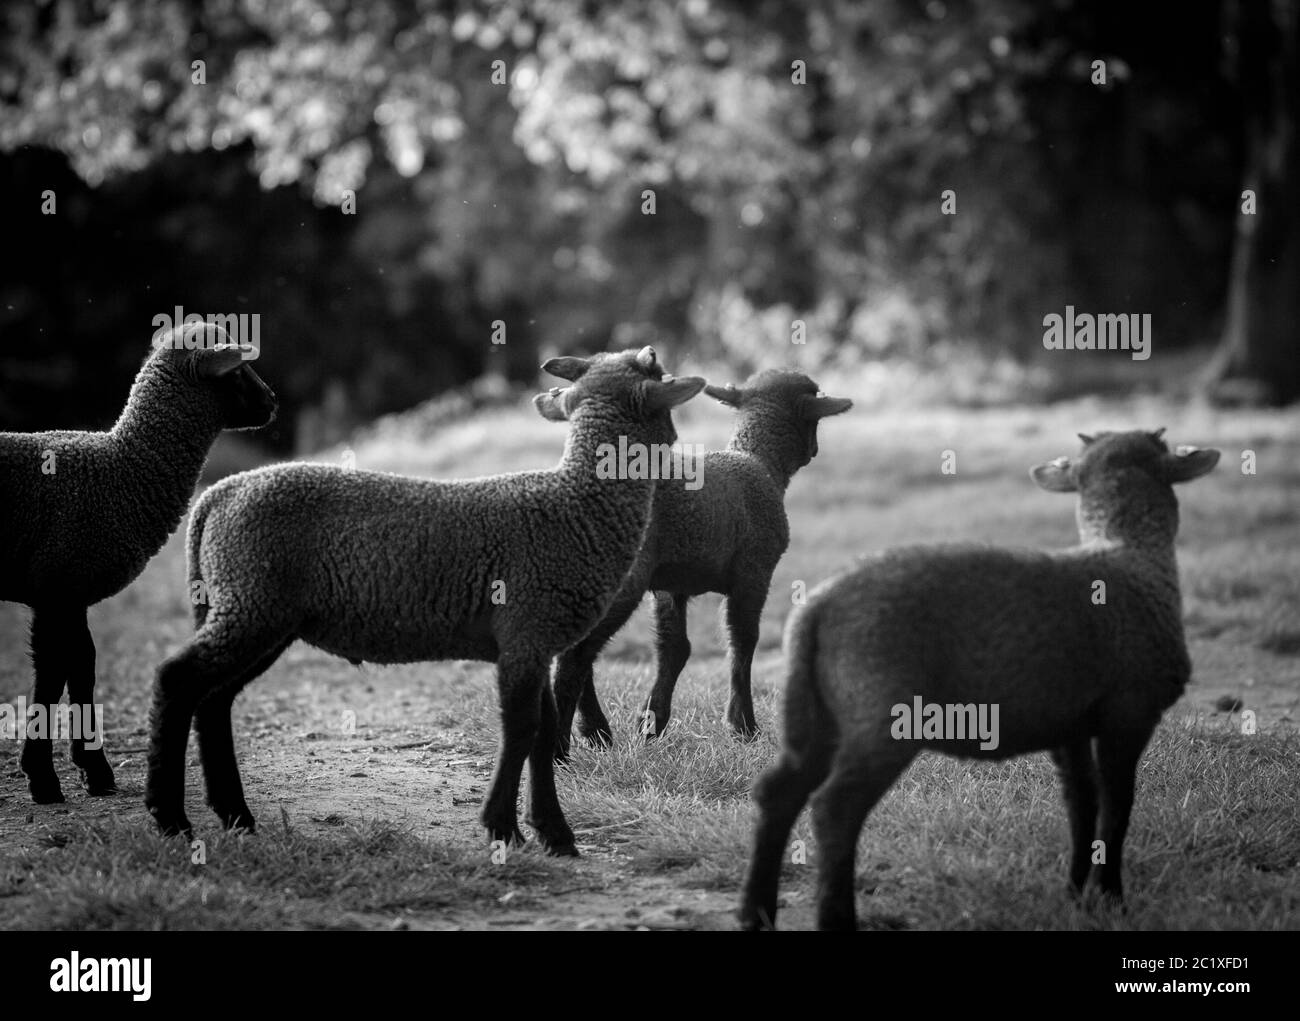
518 688
214 657
1075 767
839 808
96 773
212 727
544 812
50 663
743 612
780 794
674 649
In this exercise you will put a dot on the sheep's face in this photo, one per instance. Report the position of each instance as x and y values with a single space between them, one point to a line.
783 403
618 387
206 359
244 400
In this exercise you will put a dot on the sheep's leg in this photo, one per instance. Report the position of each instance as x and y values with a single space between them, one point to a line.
51 667
96 773
1117 753
839 808
575 687
518 684
673 649
743 612
1075 767
544 812
780 794
213 658
212 727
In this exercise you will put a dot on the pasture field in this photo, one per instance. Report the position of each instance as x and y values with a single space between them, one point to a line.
375 825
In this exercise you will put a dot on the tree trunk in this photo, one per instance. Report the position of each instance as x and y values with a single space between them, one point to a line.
1258 358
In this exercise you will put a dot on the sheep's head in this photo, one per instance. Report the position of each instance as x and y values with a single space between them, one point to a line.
1124 481
786 406
622 385
206 358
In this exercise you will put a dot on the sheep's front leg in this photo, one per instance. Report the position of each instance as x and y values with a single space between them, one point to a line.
743 611
51 667
575 685
544 812
674 649
519 683
96 773
1118 753
1075 767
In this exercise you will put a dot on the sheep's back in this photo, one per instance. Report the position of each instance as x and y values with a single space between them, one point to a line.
390 568
1015 628
732 528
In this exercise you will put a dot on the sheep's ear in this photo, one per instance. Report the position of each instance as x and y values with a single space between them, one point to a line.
1054 476
1187 463
730 395
822 406
662 394
1088 441
218 361
569 368
555 405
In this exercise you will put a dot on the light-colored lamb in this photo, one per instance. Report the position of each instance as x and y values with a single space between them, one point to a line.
82 513
726 536
1078 651
510 569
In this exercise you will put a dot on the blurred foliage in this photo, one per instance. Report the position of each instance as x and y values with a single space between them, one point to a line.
797 151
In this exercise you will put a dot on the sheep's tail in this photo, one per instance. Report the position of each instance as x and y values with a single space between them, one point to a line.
808 720
200 597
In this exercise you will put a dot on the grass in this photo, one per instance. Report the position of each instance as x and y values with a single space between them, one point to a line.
374 826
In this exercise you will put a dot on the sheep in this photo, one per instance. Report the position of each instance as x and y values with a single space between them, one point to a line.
725 536
1078 652
384 568
83 513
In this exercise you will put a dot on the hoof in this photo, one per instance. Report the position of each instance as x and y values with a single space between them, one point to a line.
596 734
568 850
172 825
744 732
46 790
754 919
98 780
238 821
512 837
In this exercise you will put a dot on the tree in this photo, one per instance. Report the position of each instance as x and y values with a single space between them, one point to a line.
1258 358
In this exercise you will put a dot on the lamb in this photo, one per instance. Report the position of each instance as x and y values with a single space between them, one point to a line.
509 569
1079 652
83 513
726 536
